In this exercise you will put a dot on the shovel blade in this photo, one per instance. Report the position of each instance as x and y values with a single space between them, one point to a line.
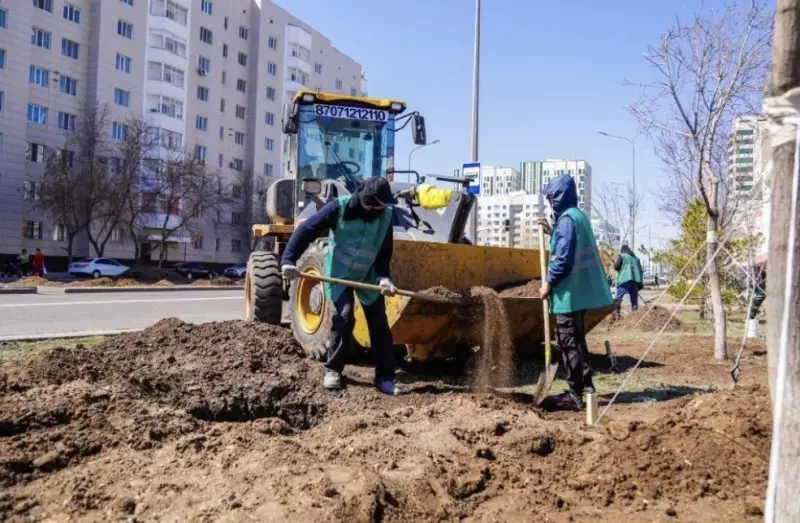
545 383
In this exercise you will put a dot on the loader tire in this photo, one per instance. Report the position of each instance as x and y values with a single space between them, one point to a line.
310 310
263 289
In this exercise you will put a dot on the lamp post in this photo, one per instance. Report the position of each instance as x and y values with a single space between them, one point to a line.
419 147
633 180
473 142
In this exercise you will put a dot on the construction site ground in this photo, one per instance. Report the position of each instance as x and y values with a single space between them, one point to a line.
228 422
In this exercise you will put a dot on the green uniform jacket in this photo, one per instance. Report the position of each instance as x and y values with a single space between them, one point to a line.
353 246
586 286
631 270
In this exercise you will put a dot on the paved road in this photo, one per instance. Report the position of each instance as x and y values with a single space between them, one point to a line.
31 315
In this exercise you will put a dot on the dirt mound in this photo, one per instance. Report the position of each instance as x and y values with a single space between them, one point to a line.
105 282
528 290
222 281
31 281
647 319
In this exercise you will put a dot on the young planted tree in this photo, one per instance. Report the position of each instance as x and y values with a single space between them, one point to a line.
619 206
706 73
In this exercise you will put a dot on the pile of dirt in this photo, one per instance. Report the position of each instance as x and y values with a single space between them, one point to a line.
105 282
495 363
222 281
164 283
647 319
31 281
528 290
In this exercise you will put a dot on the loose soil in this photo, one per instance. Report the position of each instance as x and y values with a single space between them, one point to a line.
495 361
30 281
647 319
228 421
222 281
528 290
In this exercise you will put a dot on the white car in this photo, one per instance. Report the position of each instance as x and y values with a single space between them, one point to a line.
97 267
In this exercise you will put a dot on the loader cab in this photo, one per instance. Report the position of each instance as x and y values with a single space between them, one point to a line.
340 141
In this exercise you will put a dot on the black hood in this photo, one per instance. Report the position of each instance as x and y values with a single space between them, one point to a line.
369 199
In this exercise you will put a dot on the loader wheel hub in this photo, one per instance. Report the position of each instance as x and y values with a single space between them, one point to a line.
309 303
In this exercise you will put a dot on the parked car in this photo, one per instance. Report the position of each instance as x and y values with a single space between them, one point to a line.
192 270
97 267
236 271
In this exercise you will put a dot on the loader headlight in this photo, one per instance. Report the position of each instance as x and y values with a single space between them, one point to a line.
308 97
397 106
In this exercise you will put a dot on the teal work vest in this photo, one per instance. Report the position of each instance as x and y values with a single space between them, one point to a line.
586 286
353 246
631 270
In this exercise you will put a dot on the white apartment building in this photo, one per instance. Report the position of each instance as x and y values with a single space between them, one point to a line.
580 170
520 209
744 153
496 180
210 75
531 177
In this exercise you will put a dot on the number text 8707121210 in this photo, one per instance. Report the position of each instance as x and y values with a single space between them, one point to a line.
350 113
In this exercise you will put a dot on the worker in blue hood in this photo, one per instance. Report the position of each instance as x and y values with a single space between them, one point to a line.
575 282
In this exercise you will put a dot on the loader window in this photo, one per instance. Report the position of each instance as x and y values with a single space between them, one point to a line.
346 149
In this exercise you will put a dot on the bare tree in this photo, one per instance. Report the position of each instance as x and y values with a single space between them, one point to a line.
619 206
253 204
707 72
75 187
179 194
132 153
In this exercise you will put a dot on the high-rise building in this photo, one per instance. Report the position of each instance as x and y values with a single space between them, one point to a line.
496 180
744 154
580 170
531 177
520 209
208 76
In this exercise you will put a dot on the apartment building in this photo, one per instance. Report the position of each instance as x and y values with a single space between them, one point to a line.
209 76
531 177
580 170
520 209
497 180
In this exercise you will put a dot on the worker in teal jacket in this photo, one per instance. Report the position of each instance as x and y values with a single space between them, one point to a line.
575 283
629 278
360 245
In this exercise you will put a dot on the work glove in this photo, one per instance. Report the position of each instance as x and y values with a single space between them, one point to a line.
387 287
289 272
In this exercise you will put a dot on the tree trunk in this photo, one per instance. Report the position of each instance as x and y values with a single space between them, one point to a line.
715 293
785 74
69 249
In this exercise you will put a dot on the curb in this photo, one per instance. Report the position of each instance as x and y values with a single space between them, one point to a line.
18 290
93 290
65 335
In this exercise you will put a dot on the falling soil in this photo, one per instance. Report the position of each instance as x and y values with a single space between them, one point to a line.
495 361
528 290
647 319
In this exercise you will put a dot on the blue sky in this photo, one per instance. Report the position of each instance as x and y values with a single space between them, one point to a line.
552 75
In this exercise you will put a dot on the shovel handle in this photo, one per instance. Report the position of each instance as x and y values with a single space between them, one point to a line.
369 287
545 301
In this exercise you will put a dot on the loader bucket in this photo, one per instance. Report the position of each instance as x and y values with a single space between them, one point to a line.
432 329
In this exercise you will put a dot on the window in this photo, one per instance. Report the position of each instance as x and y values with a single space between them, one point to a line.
35 152
353 91
69 48
237 164
46 5
32 191
32 230
217 244
2 58
206 35
125 29
318 68
68 85
224 50
201 123
222 105
272 68
2 100
207 6
269 144
270 93
197 241
37 114
744 160
165 73
224 77
238 138
166 138
273 43
200 152
202 93
236 245
66 121
221 134
242 32
203 65
39 76
72 13
236 192
40 38
123 63
240 111
236 218
295 75
171 10
225 23
745 150
3 17
122 97
241 85
116 164
167 41
119 131
58 233
268 169
744 132
270 119
220 160
165 105
129 2
242 59
339 85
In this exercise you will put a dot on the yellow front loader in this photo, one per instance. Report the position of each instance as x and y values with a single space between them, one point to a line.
335 143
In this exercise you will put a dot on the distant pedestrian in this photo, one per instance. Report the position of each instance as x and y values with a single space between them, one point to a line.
629 278
24 262
760 293
38 263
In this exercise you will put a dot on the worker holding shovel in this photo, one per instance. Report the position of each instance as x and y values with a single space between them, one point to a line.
575 282
360 250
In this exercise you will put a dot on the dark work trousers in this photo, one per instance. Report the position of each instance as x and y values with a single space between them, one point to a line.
574 350
342 333
631 288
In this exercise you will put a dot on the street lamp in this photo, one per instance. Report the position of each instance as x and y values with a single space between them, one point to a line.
418 147
633 179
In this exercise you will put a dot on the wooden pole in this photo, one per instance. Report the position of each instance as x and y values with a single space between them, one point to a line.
783 503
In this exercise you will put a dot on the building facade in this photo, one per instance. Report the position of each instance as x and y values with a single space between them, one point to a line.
208 76
520 209
580 170
531 177
496 180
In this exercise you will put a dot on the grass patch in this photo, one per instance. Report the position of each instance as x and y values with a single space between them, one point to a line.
17 350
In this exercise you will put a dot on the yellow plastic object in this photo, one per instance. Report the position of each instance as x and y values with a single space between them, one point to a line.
332 98
429 329
432 197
